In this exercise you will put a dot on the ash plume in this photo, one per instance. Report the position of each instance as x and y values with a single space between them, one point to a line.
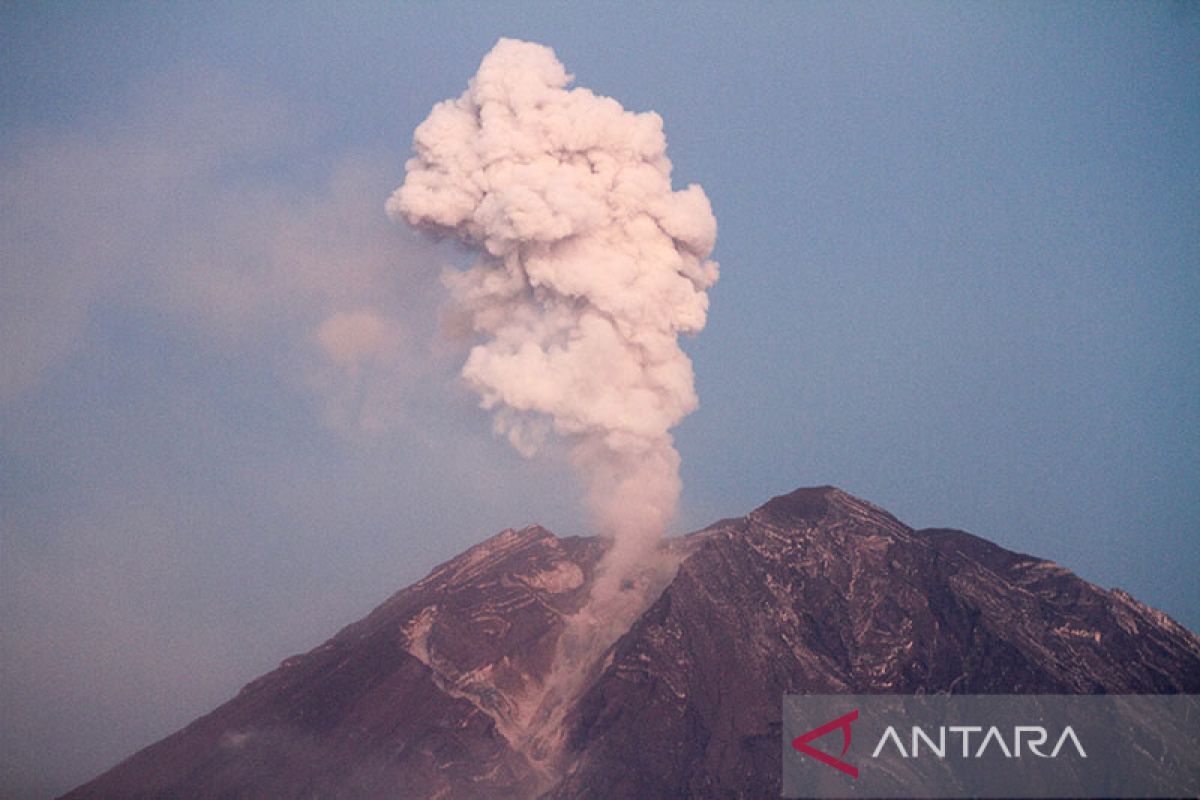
589 268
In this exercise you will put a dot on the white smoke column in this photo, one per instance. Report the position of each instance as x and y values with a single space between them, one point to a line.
590 268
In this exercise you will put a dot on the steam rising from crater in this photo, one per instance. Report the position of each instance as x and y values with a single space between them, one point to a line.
589 268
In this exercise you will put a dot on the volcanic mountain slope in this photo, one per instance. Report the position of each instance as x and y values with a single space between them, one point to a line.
436 693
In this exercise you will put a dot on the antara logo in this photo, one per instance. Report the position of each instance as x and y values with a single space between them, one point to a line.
1033 737
842 722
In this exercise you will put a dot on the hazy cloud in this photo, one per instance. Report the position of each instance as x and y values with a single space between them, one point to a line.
179 207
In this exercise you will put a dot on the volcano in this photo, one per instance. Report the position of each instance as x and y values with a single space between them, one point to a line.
445 690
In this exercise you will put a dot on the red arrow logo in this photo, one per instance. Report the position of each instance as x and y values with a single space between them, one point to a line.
800 743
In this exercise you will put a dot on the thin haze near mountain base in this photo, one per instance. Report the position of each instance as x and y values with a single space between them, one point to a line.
589 268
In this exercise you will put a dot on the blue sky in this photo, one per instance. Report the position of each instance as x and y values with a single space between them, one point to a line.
960 250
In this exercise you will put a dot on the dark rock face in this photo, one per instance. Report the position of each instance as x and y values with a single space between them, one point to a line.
404 703
816 591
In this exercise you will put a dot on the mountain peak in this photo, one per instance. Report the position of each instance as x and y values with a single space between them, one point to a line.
803 503
824 507
449 689
507 549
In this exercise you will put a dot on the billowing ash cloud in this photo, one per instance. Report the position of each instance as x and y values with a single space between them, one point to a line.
590 266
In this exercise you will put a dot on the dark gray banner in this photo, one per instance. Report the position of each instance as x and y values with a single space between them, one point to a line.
995 746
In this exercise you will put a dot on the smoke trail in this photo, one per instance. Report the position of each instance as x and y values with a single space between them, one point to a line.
590 267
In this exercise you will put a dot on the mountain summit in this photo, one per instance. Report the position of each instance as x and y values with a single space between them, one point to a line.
453 687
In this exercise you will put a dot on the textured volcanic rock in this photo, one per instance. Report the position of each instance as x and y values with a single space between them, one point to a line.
408 702
819 592
431 695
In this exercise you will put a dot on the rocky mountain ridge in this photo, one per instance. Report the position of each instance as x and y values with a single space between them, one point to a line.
447 688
